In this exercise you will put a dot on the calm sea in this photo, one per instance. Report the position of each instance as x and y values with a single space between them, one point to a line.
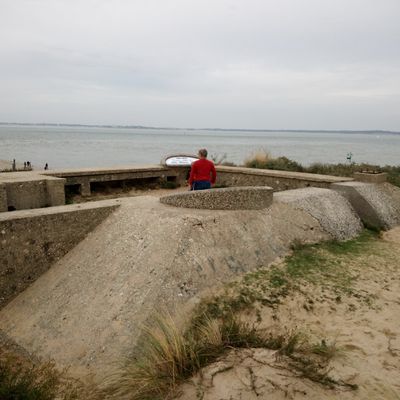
74 147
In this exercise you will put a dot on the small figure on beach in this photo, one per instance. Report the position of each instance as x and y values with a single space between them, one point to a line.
28 165
14 165
24 164
349 157
46 167
202 173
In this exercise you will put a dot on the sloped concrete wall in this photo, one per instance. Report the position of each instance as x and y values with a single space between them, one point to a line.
334 213
31 241
378 205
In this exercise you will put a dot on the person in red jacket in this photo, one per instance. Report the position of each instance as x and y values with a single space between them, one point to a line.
202 174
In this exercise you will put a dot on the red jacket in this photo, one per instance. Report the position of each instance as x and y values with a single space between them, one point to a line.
203 170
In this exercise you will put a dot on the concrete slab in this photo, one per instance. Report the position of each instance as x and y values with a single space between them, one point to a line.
378 205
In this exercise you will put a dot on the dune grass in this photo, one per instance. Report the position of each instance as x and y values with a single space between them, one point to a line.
167 356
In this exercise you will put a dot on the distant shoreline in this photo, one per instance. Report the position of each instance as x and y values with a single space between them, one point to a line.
197 129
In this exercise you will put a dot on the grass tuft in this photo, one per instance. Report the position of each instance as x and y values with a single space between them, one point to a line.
23 380
167 356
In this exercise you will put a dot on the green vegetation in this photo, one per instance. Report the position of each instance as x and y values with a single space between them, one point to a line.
323 264
167 356
264 160
23 380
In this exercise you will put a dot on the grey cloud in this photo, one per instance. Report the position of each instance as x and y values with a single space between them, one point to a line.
255 63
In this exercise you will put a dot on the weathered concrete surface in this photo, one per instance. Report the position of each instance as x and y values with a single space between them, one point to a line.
31 241
87 309
241 198
377 205
278 180
27 190
3 198
370 178
333 211
84 177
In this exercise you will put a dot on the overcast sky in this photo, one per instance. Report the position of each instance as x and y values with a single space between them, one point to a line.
274 64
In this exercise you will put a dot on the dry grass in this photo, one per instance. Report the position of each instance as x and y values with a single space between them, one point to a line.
21 379
167 356
257 159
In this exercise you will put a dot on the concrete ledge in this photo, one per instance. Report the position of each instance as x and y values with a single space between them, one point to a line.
377 205
334 213
32 240
242 198
74 172
278 180
370 178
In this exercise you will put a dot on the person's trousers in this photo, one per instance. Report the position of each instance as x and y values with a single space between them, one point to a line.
201 185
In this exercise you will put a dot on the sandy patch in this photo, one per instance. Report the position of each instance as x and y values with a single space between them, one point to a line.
363 323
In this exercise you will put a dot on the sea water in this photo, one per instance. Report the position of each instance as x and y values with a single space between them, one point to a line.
76 147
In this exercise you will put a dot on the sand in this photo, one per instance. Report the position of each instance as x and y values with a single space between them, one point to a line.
365 327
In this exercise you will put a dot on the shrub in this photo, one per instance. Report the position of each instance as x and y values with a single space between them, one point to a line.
22 380
263 160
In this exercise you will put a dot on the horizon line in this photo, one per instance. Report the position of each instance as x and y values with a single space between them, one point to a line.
118 126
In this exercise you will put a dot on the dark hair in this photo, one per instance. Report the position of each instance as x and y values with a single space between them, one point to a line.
203 152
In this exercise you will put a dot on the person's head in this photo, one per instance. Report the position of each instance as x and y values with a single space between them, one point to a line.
203 153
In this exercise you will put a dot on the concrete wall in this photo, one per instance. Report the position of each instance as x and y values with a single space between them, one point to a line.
3 198
85 177
278 180
26 195
242 198
28 190
31 241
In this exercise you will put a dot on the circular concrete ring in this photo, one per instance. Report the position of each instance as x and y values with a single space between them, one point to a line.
233 198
